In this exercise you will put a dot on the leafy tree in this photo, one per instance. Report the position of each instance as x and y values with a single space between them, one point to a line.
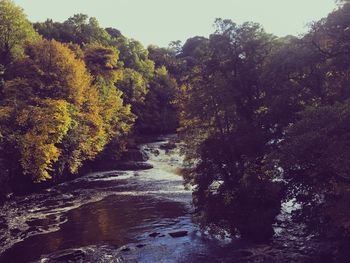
113 32
38 143
330 39
79 29
15 30
135 56
314 158
103 64
222 115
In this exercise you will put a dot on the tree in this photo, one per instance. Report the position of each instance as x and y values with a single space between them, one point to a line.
329 38
135 56
15 30
113 32
38 145
103 64
315 159
222 115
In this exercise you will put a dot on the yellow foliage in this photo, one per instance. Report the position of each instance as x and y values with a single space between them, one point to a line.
45 125
59 74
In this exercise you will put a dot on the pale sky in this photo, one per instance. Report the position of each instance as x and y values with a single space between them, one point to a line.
161 21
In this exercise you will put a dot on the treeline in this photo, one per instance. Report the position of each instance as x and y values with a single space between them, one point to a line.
266 119
73 91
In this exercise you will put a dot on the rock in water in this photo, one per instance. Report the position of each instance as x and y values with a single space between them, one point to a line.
168 146
73 255
133 166
126 249
154 234
134 155
178 234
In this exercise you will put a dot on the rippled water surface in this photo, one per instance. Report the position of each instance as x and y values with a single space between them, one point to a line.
120 216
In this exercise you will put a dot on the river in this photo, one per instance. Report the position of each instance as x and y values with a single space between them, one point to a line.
128 216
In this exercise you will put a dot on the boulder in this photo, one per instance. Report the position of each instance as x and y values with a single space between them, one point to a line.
154 152
134 155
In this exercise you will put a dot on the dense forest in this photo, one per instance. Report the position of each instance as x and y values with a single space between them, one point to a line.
262 119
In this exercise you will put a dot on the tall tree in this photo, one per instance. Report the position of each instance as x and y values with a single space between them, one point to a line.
222 121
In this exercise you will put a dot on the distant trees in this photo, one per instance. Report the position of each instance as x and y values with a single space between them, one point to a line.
158 114
138 70
79 29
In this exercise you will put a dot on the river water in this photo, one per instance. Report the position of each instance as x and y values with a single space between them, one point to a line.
127 216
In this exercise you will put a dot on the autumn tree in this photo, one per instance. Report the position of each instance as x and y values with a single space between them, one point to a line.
103 64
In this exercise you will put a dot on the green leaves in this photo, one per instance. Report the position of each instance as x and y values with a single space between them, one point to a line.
15 30
318 143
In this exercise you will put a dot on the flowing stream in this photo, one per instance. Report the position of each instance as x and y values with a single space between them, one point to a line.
126 216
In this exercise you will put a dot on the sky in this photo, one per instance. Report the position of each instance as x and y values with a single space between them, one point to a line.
161 21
